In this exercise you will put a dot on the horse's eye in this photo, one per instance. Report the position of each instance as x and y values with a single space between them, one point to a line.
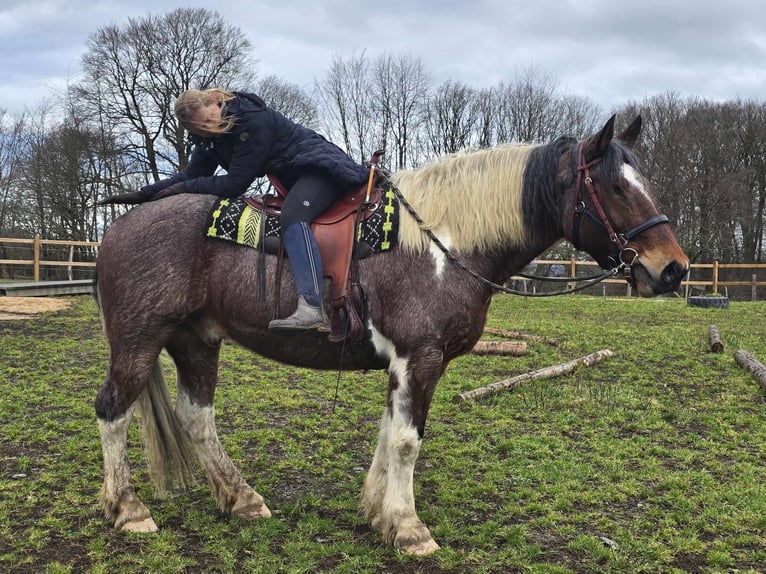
618 190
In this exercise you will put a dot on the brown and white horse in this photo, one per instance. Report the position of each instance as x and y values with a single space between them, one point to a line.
163 284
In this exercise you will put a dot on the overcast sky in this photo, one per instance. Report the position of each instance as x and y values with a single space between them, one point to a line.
610 51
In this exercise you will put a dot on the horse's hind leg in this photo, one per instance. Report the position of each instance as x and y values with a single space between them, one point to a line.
114 407
196 362
388 494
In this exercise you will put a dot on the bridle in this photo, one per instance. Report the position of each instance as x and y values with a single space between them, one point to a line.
620 241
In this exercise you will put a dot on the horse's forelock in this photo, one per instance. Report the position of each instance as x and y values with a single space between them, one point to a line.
617 155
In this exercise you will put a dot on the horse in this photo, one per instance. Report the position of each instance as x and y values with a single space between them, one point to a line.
161 284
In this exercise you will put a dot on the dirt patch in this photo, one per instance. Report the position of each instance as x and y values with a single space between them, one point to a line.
27 307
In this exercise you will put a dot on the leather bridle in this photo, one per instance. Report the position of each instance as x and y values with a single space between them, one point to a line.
580 209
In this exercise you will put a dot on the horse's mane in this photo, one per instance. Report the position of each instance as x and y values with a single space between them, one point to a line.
504 196
472 200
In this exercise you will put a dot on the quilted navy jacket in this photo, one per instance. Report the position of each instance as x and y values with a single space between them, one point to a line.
263 141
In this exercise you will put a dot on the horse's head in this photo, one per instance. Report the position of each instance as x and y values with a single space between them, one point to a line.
610 213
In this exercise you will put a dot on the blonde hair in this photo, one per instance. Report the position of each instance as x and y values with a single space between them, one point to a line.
472 200
191 101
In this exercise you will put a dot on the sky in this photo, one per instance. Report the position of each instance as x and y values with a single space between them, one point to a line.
610 51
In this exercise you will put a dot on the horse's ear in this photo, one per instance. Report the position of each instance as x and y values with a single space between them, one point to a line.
598 143
630 136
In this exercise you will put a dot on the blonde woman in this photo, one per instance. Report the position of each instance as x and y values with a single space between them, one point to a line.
240 133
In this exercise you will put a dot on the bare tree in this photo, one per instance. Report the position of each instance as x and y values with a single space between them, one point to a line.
579 116
402 86
528 108
11 152
346 97
134 73
749 132
289 99
486 121
451 117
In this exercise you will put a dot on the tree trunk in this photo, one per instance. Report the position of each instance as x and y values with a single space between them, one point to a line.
751 365
513 348
715 340
545 373
519 335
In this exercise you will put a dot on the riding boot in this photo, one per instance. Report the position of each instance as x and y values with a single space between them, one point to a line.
303 253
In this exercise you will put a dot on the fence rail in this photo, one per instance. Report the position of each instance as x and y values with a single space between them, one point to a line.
81 255
74 255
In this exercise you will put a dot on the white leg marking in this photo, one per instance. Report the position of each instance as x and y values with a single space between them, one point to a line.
402 448
118 500
230 489
114 445
198 422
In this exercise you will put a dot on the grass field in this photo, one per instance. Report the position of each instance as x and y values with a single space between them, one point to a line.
652 461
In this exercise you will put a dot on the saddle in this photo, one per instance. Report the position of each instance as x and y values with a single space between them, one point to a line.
335 231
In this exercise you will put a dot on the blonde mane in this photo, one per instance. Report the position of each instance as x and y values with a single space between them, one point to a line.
471 200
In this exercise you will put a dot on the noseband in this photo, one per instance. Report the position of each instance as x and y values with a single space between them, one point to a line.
580 209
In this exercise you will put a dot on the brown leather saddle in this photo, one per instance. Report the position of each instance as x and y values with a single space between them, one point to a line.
334 231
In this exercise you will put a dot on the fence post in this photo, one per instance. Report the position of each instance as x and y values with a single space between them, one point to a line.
753 296
36 257
715 275
573 272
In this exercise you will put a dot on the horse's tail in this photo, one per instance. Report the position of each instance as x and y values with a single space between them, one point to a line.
167 448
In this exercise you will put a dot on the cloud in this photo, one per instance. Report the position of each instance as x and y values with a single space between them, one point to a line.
611 52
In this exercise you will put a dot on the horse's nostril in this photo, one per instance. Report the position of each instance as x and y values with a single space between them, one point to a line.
674 273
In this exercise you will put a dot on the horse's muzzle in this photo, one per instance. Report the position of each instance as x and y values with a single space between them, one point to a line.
668 281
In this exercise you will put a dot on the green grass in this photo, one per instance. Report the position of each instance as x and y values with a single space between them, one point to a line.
652 461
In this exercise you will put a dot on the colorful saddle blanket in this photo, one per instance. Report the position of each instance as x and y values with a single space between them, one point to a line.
234 220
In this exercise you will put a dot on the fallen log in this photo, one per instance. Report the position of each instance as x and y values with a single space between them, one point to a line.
520 335
513 348
544 373
715 339
752 365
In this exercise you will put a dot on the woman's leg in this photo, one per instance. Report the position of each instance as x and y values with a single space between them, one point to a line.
311 195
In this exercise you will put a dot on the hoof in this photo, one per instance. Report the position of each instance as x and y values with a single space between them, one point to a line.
253 511
415 539
145 525
421 548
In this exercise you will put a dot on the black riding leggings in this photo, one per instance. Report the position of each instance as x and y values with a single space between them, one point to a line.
309 196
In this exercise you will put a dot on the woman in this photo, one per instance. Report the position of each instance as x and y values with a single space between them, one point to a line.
239 132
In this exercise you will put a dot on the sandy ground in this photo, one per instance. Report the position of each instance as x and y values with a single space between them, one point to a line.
28 307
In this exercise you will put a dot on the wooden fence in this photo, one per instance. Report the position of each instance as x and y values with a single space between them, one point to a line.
712 277
44 256
49 259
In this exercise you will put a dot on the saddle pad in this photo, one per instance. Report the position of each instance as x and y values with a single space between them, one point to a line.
234 220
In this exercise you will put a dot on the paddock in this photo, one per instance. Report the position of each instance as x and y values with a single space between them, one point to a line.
650 461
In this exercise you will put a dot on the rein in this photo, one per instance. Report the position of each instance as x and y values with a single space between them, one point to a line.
590 281
579 208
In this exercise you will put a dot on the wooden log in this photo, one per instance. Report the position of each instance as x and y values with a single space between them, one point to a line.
752 365
519 335
715 339
513 348
544 373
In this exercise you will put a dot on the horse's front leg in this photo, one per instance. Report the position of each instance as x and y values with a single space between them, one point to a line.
388 494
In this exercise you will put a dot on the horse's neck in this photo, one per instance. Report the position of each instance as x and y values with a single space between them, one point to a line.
509 263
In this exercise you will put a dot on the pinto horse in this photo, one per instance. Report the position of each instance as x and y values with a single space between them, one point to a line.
163 284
